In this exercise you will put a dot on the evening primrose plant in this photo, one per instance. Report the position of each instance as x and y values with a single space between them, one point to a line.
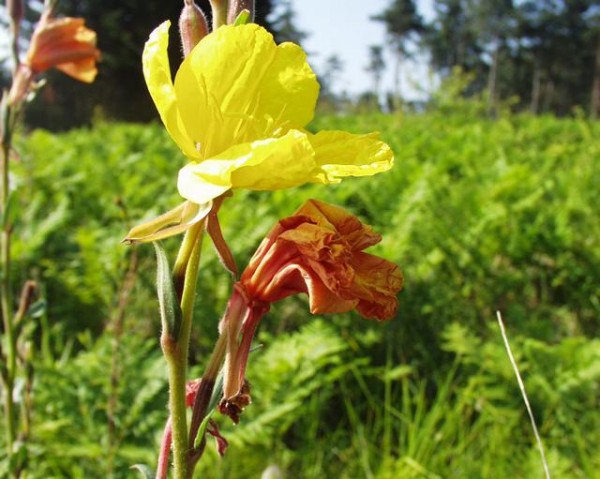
65 44
237 108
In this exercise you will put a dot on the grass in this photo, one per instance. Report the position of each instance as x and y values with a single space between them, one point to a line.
481 215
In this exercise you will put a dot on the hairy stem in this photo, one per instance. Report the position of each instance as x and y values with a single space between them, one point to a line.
185 274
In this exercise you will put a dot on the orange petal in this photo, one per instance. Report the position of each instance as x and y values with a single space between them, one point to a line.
66 44
357 234
376 284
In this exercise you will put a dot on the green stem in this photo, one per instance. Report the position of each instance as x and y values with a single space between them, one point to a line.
185 273
5 283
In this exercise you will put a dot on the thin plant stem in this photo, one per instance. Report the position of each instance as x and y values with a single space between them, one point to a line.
116 326
524 394
162 469
185 273
5 282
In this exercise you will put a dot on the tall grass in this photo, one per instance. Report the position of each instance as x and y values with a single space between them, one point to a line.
481 215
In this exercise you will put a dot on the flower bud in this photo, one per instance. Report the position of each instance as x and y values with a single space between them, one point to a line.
238 6
15 10
219 13
192 26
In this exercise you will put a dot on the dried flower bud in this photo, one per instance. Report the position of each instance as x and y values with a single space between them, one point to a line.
318 251
192 26
238 6
16 10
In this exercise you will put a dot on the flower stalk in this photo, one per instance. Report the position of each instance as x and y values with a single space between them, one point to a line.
237 109
175 348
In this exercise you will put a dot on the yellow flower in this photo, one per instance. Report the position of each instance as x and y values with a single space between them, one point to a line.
238 108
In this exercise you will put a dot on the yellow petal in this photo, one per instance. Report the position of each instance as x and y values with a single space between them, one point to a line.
238 86
157 73
342 154
270 164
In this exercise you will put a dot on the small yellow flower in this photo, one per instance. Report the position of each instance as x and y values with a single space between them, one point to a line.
238 108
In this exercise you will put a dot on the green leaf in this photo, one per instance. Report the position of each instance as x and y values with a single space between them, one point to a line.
144 470
170 312
37 309
202 429
8 216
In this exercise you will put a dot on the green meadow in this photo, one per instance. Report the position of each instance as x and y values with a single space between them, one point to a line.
482 215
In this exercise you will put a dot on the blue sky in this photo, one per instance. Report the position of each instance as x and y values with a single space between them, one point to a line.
343 27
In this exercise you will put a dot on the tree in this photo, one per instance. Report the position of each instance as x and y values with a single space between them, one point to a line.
545 52
558 38
451 38
402 23
283 22
493 23
376 67
328 98
594 22
119 92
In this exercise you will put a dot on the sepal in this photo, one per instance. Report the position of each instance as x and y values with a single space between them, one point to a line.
171 223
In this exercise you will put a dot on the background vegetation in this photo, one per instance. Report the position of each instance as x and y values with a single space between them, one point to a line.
486 209
481 214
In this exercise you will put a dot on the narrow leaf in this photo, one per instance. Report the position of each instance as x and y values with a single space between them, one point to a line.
9 214
144 470
170 313
171 223
37 309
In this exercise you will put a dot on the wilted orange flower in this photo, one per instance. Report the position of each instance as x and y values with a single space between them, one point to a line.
66 44
319 251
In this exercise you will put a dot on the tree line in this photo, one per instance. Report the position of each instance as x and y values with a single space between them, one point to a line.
544 54
119 92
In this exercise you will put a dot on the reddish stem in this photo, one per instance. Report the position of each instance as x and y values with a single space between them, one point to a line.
162 469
